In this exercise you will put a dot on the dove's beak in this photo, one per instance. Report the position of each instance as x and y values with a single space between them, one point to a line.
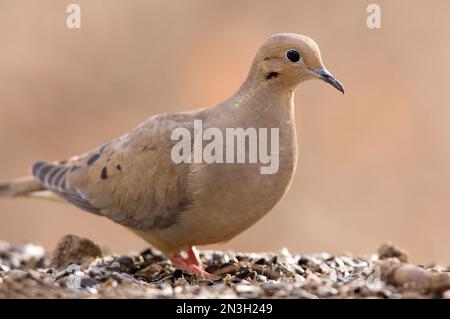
323 74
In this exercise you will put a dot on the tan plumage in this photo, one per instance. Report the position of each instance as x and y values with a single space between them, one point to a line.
133 181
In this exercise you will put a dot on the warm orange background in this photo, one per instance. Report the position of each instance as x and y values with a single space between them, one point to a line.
374 164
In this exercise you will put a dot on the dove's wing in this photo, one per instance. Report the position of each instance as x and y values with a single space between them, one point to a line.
131 180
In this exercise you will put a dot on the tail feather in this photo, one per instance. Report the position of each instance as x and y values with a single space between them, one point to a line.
23 186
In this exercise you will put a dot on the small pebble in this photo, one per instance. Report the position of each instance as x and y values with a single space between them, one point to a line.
243 273
17 274
302 261
72 268
261 261
252 275
88 282
261 278
212 268
244 289
125 260
115 264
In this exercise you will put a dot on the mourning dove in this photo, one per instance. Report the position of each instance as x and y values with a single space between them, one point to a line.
134 181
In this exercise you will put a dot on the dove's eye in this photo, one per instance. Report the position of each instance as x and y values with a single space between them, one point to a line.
293 55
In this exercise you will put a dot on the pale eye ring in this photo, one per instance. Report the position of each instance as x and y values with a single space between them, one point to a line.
292 55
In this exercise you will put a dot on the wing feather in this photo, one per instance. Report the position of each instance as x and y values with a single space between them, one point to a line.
131 180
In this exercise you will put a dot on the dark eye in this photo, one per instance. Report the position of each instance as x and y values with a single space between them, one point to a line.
293 55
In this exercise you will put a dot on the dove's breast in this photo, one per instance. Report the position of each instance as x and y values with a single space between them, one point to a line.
227 198
230 197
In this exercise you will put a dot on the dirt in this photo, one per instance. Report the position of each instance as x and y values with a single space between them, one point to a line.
77 268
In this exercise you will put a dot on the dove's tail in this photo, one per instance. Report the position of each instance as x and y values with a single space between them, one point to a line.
20 187
26 186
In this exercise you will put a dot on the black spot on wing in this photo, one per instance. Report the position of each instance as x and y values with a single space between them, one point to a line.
104 173
92 159
119 167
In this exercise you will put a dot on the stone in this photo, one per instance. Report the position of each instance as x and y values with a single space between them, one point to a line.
388 250
72 249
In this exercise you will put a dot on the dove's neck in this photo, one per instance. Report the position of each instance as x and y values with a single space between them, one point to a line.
267 101
264 106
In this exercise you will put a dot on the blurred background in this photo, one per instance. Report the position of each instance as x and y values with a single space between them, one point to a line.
374 164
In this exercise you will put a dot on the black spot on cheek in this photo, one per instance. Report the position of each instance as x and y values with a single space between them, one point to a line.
271 75
93 159
119 167
104 174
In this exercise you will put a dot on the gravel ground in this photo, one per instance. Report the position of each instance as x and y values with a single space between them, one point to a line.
78 269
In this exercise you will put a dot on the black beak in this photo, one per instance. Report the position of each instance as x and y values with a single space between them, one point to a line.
329 78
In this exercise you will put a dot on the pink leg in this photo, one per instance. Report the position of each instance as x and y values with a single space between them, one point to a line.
193 257
192 264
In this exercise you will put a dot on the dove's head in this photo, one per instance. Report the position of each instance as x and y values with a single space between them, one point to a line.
289 59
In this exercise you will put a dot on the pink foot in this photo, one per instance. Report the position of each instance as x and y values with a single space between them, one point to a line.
192 264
